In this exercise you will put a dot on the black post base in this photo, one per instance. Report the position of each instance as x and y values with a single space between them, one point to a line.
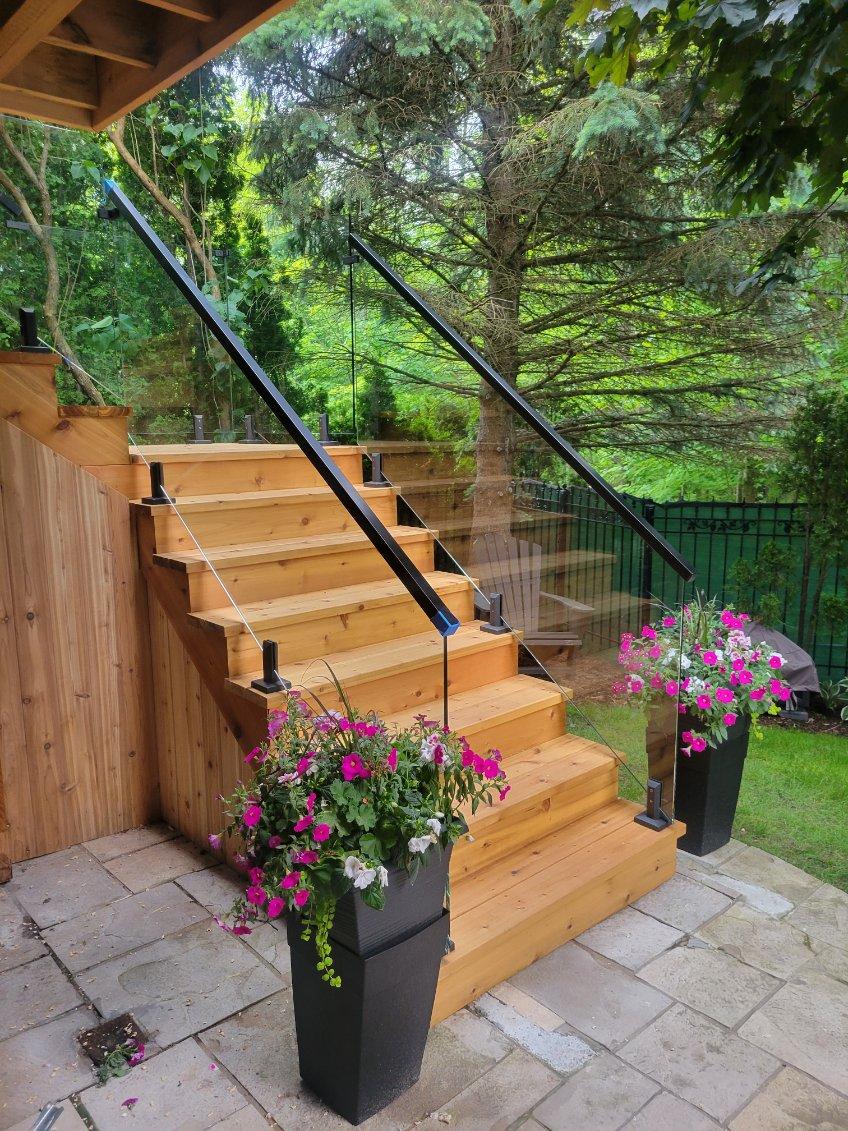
269 686
361 1046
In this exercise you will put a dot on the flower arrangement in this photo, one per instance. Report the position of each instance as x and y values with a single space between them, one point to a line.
702 656
335 799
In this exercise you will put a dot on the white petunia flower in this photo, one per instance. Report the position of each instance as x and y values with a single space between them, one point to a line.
383 876
435 825
419 843
353 867
365 878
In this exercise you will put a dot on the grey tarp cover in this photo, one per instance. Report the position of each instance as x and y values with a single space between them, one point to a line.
800 669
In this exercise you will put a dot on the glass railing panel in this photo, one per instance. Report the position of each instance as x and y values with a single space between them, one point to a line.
575 580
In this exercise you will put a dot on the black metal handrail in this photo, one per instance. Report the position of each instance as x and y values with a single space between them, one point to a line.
441 617
525 410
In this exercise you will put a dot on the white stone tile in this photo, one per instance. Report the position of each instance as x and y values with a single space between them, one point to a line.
772 945
599 1097
793 1102
630 938
62 885
683 903
34 993
711 981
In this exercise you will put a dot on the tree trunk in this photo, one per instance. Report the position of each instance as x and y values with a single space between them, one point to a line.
495 448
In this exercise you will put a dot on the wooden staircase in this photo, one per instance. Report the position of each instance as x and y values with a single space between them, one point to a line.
559 854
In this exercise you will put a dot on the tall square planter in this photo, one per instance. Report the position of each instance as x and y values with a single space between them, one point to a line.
361 1045
707 789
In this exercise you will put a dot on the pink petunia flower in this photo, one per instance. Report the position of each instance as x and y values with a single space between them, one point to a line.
704 702
310 803
649 633
729 719
757 694
392 757
775 661
255 875
303 765
321 833
256 895
671 687
686 737
699 743
215 841
307 856
301 897
130 1102
275 907
252 815
724 695
303 824
709 657
290 880
502 793
745 677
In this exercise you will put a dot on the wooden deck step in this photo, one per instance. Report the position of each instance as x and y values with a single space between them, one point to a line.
257 571
210 468
256 516
506 715
552 784
396 675
520 908
316 624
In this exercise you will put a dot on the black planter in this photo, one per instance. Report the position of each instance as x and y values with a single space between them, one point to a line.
409 907
707 789
360 1046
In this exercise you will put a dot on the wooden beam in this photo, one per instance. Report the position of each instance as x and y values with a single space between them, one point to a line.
56 75
43 110
204 10
27 26
98 27
122 89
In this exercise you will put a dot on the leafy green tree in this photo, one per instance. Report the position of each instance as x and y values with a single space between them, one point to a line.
565 230
816 472
778 69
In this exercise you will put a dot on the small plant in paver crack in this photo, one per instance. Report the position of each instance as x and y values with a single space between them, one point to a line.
335 799
121 1060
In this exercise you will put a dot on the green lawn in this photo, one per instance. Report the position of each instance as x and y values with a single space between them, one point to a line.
794 799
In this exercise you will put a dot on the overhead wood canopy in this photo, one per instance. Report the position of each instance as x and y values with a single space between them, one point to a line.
87 63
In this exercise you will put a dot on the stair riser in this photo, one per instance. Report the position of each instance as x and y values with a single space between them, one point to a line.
522 825
235 526
549 926
514 734
266 580
341 632
406 689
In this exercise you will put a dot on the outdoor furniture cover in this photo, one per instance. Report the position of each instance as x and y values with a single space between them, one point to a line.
800 668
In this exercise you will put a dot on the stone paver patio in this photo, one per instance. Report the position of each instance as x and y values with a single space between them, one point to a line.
719 1000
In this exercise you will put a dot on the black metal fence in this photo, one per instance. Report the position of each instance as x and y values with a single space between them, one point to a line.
712 535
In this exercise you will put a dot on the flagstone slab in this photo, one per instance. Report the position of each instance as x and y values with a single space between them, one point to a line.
712 981
259 1048
530 1009
34 993
499 1097
62 885
600 1096
830 960
601 1000
666 1112
712 860
122 926
157 864
824 916
806 1025
41 1066
772 945
700 1061
564 1052
630 938
793 1102
215 889
69 1120
118 844
754 895
755 866
683 903
179 1088
19 942
180 984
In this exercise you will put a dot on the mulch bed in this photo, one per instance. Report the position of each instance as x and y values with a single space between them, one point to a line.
816 724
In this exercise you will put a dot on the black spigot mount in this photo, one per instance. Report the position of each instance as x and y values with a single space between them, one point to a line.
377 479
271 680
29 331
158 495
653 817
496 624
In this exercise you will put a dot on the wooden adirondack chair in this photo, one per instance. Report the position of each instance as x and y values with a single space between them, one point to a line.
513 568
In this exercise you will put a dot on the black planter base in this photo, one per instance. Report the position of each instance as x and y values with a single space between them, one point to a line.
707 790
361 1046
